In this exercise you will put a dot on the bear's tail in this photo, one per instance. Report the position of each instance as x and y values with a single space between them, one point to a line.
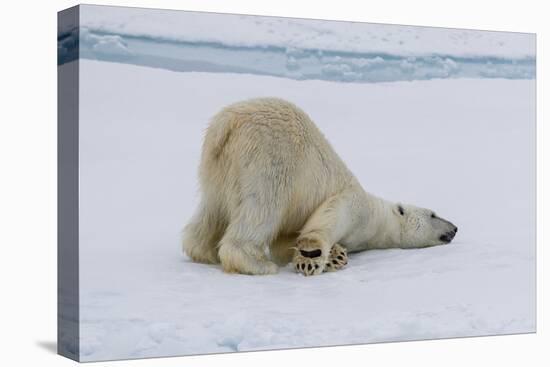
217 134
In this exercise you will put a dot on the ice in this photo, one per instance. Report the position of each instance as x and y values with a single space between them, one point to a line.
301 49
111 44
463 147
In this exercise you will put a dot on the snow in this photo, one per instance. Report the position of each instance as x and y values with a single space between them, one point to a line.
252 31
463 147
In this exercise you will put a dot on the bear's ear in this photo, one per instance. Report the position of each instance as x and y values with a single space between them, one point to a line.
398 209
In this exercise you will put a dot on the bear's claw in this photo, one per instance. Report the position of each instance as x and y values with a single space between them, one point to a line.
308 267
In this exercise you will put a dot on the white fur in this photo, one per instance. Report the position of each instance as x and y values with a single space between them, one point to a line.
270 182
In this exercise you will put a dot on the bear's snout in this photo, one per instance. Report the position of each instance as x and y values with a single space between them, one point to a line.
448 236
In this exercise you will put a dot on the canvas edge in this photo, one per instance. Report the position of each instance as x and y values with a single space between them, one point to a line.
68 329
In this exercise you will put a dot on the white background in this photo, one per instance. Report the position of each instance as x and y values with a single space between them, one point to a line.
28 182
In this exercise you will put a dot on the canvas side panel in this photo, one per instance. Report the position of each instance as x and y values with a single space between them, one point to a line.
67 186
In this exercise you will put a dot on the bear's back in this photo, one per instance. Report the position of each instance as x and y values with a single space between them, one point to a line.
269 142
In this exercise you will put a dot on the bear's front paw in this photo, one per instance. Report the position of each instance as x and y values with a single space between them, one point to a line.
309 258
337 259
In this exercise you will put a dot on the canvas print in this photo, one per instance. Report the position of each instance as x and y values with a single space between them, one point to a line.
239 183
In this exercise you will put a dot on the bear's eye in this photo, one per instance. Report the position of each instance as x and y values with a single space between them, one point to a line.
433 215
401 210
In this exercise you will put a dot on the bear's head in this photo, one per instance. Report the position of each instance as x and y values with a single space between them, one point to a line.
422 227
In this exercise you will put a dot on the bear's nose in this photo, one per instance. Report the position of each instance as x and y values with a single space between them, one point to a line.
448 236
456 229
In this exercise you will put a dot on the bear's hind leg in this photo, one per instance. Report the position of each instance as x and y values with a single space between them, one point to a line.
202 234
245 258
244 246
282 249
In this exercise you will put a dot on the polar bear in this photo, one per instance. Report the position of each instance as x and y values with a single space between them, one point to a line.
273 190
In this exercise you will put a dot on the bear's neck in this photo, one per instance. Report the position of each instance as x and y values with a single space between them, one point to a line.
379 227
